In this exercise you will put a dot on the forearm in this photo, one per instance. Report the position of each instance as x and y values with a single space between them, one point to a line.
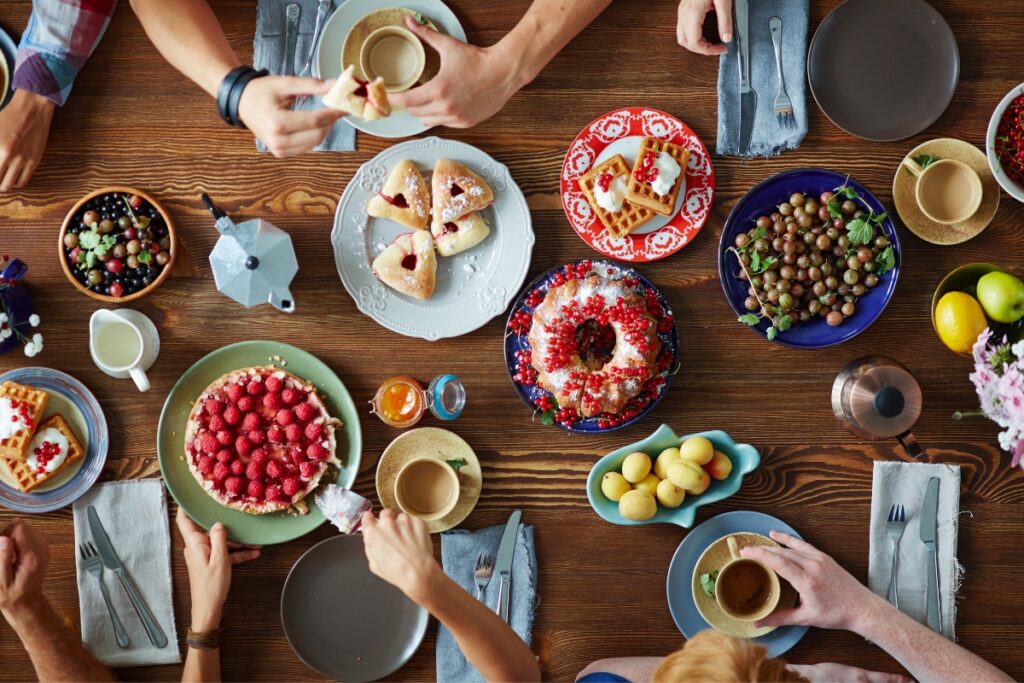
927 655
55 649
203 665
188 35
544 30
485 639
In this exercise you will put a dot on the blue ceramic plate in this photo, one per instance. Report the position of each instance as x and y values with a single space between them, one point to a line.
679 581
69 397
8 52
517 343
745 459
762 199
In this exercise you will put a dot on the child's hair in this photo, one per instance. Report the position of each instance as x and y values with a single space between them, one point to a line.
714 657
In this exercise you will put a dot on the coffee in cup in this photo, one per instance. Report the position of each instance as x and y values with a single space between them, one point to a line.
745 589
947 191
394 54
427 488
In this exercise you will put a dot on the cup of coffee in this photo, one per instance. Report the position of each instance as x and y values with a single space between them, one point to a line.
947 191
427 488
396 55
745 589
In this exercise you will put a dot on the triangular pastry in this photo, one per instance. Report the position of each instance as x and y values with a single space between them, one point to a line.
353 95
404 198
409 265
459 235
457 192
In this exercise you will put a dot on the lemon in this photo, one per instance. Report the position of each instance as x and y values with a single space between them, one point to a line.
959 320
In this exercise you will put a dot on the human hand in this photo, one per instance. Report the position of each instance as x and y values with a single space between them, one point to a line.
400 552
829 596
24 129
474 83
24 556
266 108
690 24
209 558
829 672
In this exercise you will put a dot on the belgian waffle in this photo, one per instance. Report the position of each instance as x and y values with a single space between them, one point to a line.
16 445
631 216
28 478
640 191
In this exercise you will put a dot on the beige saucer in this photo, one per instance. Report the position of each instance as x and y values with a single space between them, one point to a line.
716 557
389 16
435 443
910 213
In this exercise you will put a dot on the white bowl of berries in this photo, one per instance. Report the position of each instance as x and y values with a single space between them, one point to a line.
1004 143
117 244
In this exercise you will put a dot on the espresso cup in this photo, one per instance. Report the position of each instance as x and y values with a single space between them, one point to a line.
396 55
947 191
427 488
745 589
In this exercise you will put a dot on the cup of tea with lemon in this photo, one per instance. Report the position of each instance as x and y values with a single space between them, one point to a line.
976 296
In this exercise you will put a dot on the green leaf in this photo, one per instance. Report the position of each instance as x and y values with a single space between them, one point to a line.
548 418
848 192
772 333
886 261
860 231
833 209
749 319
88 240
145 257
101 250
90 259
877 218
759 233
108 241
707 583
755 262
925 160
785 322
420 19
457 463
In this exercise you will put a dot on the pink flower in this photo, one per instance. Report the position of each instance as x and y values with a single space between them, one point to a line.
980 348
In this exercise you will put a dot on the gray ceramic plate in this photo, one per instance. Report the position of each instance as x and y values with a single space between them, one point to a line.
343 621
883 69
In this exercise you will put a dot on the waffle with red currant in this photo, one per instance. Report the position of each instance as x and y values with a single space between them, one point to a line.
260 439
630 216
645 171
46 459
21 408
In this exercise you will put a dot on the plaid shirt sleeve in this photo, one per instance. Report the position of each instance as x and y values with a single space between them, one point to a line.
60 37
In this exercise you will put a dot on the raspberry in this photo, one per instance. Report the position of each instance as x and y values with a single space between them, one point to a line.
224 437
221 471
217 423
290 396
290 486
250 422
305 412
275 434
255 490
208 443
274 470
254 388
293 433
297 455
272 401
235 392
233 485
274 494
307 469
254 472
245 404
316 452
284 417
237 467
232 415
213 406
224 456
258 437
205 465
274 385
259 456
313 431
243 446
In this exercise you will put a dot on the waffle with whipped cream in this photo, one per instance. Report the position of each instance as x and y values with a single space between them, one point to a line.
53 448
657 175
605 189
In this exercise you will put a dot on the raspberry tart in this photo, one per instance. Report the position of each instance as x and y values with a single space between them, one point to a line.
260 439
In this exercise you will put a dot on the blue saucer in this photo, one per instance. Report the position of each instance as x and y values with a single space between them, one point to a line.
8 52
678 583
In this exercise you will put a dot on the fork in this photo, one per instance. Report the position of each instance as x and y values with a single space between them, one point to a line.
322 10
894 527
482 573
94 565
783 105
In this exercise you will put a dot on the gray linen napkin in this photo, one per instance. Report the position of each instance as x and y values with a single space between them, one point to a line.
134 513
459 550
268 53
904 483
768 138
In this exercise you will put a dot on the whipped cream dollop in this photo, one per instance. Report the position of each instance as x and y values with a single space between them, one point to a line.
11 419
48 451
612 198
668 171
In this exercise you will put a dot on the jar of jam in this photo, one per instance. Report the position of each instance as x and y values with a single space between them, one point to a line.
401 401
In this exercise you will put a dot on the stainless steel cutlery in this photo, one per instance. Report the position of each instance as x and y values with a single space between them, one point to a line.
94 565
322 11
482 573
929 534
291 38
748 98
506 552
894 527
783 105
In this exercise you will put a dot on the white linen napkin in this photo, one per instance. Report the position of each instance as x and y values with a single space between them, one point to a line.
134 513
904 483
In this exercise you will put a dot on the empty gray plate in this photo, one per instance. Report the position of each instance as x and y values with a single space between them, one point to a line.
883 70
342 620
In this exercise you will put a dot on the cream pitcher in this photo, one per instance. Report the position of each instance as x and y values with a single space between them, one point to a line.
124 343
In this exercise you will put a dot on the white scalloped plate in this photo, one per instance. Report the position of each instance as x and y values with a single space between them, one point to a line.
472 287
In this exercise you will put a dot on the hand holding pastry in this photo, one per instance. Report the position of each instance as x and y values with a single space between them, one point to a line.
266 108
690 24
24 128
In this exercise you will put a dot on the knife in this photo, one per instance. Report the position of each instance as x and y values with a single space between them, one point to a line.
113 562
929 531
748 98
291 37
506 551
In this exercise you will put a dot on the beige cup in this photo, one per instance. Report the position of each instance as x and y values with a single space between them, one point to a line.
396 55
427 488
947 191
745 589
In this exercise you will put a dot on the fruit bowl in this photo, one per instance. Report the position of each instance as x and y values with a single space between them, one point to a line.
745 459
117 266
1013 188
965 279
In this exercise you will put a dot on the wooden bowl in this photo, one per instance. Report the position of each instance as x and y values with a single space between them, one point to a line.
965 279
171 232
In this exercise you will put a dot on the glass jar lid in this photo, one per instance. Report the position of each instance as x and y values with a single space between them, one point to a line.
446 397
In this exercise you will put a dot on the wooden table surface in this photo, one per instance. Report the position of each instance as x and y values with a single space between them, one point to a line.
133 120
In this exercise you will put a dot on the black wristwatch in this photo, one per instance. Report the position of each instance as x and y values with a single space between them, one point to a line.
229 94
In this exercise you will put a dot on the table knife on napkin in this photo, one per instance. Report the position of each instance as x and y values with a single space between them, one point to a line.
506 551
929 533
291 38
748 98
113 562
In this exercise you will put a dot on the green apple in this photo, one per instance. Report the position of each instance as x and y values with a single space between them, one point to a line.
1002 297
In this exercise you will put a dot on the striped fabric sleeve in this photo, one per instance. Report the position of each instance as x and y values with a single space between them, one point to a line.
60 37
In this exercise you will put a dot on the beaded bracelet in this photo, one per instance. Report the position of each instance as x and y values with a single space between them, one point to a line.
200 640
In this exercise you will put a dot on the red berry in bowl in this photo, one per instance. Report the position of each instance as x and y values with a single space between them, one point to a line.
135 201
116 290
131 234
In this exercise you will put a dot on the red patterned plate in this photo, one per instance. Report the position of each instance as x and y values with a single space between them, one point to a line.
619 132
